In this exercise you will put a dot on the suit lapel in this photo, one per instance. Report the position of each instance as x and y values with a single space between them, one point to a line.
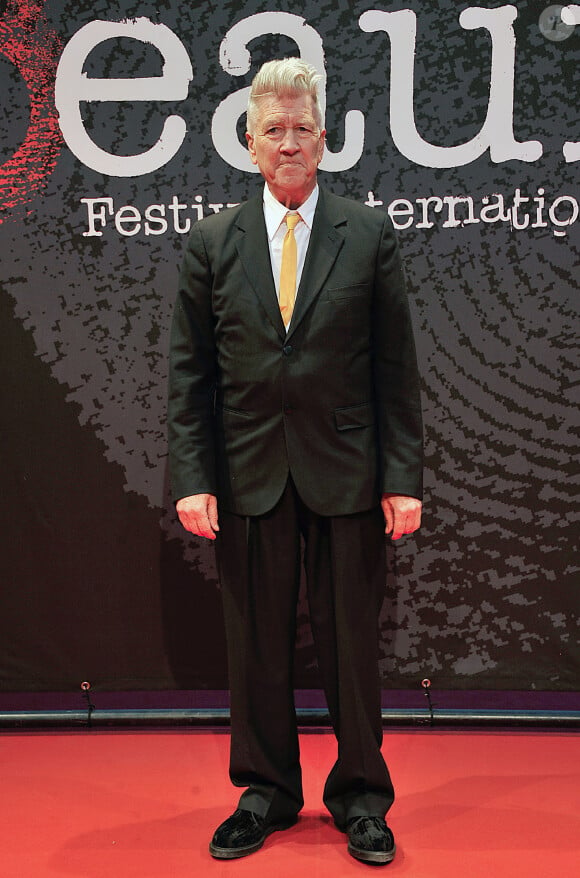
323 249
254 253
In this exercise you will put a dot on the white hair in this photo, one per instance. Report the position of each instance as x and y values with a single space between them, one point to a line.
285 77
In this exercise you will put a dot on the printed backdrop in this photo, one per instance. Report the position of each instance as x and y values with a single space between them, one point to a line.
122 123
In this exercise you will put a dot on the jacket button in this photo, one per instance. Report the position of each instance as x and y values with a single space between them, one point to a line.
287 350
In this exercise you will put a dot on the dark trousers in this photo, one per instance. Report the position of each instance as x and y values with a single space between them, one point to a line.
259 567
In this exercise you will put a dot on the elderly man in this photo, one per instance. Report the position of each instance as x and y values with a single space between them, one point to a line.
294 413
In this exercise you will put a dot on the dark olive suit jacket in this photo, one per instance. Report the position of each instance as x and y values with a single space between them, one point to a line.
335 401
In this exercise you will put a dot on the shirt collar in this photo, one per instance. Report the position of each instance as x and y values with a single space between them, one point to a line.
274 212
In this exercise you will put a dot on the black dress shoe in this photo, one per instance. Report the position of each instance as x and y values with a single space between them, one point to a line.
370 840
242 834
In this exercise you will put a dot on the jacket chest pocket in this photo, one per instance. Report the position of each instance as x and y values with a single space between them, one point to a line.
355 293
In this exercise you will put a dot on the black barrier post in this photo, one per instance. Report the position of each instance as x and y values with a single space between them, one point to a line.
426 684
85 688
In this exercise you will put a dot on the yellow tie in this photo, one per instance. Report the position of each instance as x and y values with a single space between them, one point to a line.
288 268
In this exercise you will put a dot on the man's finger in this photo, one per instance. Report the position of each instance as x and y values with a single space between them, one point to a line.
398 526
388 514
203 527
212 512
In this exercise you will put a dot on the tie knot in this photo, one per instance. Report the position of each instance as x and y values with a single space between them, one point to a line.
292 220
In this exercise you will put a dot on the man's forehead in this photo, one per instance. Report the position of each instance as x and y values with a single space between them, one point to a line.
286 105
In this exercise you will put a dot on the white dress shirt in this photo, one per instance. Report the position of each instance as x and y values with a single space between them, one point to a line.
274 214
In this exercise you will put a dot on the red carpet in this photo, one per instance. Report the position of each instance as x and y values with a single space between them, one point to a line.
144 804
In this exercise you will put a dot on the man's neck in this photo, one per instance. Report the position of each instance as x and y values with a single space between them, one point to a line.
291 201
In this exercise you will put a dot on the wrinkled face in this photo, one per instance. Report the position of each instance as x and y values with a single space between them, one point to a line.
287 147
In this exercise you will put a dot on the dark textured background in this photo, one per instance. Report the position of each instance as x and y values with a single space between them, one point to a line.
98 580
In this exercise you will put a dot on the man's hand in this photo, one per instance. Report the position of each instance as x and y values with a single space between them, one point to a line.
199 515
402 514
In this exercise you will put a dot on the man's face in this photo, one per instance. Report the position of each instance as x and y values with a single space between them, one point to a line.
287 147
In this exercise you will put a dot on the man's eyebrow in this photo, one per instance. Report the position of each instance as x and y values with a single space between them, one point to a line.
281 119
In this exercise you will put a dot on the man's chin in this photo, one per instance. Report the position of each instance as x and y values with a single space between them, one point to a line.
291 177
292 186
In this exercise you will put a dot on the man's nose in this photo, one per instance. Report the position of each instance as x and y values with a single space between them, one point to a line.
290 141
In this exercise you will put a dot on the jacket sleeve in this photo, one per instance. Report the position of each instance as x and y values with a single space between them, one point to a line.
192 377
396 375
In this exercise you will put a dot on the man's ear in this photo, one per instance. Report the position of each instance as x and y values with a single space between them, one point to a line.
251 149
321 145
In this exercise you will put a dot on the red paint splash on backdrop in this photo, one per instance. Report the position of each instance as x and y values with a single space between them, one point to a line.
28 42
